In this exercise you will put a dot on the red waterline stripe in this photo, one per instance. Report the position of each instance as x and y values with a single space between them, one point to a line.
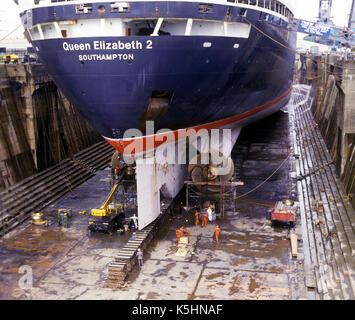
154 141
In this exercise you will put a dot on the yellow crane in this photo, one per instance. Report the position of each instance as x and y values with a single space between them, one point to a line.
107 208
111 216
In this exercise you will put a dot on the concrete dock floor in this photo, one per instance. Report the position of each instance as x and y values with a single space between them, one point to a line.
252 260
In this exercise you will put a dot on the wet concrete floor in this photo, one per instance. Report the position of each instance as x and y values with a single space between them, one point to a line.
251 261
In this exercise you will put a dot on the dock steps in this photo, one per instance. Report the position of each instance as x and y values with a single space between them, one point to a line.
127 255
38 191
328 220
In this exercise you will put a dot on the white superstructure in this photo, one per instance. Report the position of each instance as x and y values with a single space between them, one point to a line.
88 27
281 7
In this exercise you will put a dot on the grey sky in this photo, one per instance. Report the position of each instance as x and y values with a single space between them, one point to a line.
305 9
308 10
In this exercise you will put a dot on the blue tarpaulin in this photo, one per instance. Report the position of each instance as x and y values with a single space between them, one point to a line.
326 34
314 28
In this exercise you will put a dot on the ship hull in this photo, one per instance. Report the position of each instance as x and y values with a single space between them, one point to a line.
211 87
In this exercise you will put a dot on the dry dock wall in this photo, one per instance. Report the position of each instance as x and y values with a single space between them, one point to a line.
38 126
333 90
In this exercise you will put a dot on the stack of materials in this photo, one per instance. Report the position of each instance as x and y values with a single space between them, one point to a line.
119 269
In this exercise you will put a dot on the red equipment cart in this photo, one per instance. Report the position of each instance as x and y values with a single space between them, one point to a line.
284 212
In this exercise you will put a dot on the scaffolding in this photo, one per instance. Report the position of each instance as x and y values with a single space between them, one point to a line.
197 194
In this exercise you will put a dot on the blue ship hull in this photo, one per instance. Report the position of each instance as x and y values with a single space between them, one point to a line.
111 88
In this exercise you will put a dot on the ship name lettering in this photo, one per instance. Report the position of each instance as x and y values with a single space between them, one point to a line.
105 45
106 57
149 44
119 45
76 46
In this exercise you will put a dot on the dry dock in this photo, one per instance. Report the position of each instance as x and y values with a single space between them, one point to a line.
281 157
252 260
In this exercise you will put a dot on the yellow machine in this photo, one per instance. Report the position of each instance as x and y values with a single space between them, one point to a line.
11 58
109 216
108 208
37 219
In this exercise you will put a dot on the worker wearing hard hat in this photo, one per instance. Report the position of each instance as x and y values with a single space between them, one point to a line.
135 221
209 213
197 218
204 220
178 235
217 231
140 258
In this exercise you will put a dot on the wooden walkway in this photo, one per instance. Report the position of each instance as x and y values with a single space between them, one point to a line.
120 269
328 220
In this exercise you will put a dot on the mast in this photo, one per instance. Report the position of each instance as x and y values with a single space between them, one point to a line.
352 16
3 29
325 12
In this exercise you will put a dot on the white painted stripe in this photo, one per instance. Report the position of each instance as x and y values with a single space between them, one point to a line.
188 27
40 31
157 27
56 26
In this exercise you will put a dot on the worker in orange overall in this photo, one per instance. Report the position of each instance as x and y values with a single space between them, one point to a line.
204 220
217 230
182 231
178 235
188 234
196 218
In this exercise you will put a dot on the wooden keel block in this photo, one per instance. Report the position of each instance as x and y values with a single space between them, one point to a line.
294 247
116 266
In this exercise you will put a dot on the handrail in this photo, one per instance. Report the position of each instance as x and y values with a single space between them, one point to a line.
272 5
